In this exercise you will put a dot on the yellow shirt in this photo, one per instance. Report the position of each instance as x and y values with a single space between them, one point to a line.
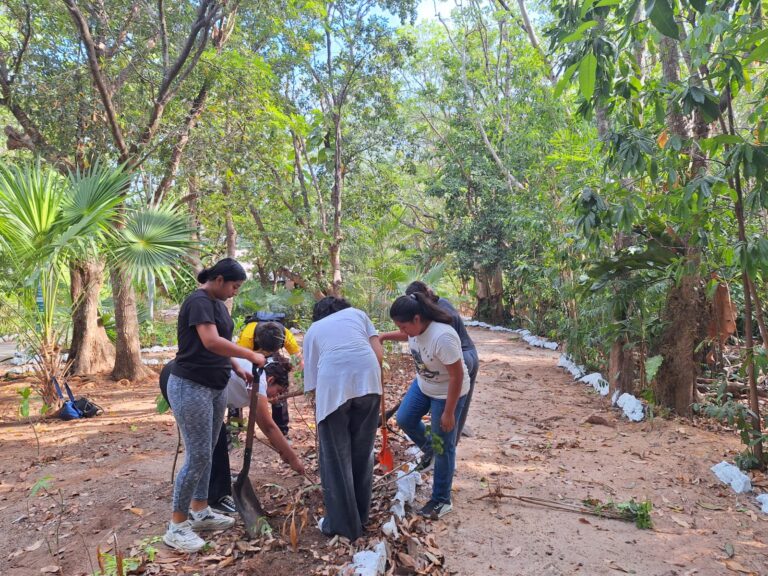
246 339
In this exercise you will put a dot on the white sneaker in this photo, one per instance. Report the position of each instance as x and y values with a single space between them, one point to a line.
182 537
207 519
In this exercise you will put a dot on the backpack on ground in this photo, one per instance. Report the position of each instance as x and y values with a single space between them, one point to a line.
75 408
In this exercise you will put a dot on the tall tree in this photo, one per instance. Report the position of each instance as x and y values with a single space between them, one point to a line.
126 88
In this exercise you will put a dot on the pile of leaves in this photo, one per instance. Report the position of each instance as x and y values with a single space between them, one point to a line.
294 506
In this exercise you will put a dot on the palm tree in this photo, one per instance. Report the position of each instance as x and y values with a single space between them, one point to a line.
49 223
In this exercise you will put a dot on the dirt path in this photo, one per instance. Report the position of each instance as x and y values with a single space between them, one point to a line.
112 475
531 439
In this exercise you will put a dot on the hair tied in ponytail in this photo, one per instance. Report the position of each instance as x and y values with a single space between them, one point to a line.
228 268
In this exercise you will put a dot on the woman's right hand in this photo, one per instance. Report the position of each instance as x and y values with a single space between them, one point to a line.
257 359
298 466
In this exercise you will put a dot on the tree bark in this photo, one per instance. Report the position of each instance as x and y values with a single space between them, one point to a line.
489 286
90 350
531 33
128 349
336 193
621 365
686 312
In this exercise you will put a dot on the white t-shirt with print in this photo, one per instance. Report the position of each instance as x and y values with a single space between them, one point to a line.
238 392
432 350
338 360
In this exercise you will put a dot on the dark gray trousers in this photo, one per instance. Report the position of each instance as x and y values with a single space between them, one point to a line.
346 464
472 361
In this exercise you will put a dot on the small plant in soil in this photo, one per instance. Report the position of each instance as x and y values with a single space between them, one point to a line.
638 512
733 413
43 486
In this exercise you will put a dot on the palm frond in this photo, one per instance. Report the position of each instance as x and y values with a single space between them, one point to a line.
31 198
95 195
152 241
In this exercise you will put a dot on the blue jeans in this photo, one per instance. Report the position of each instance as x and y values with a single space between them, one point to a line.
416 404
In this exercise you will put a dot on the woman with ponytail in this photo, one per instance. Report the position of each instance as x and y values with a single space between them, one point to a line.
439 389
196 391
468 350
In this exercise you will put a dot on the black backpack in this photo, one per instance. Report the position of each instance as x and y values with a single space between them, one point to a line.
265 316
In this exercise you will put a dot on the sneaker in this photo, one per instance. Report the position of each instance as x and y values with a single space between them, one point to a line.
183 538
225 505
426 463
207 519
435 510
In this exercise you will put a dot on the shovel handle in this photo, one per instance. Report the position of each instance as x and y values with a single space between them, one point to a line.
254 404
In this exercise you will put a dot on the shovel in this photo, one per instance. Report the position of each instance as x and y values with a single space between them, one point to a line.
248 505
385 456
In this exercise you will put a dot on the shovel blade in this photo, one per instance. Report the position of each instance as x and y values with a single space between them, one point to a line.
249 508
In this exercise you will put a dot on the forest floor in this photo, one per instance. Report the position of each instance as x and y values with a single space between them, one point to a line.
108 480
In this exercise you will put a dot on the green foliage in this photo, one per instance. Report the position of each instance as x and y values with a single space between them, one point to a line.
161 404
43 483
652 366
735 414
146 553
639 512
151 243
25 394
157 333
436 441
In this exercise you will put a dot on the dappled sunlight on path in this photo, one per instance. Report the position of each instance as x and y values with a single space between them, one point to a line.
531 439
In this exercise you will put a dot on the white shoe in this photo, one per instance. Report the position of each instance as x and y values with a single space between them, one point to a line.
183 538
207 519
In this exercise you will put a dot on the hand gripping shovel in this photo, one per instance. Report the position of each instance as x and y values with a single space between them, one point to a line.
385 456
248 505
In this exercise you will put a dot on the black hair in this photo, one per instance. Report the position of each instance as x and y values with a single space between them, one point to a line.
327 306
406 307
419 286
228 268
268 336
278 367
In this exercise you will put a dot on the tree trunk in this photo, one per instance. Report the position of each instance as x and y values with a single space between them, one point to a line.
231 236
670 64
621 365
128 358
90 347
686 314
336 192
489 285
194 214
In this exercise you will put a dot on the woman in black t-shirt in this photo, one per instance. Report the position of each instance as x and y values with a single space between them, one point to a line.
196 390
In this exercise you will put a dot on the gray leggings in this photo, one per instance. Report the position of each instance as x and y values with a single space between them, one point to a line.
199 413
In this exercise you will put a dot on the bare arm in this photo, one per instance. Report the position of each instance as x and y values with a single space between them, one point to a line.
456 375
377 348
397 336
275 436
210 338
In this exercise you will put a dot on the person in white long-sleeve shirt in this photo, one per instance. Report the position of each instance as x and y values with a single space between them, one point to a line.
342 364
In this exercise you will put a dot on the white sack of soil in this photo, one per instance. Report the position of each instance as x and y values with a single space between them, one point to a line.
371 562
632 407
763 501
575 370
597 382
730 474
390 528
